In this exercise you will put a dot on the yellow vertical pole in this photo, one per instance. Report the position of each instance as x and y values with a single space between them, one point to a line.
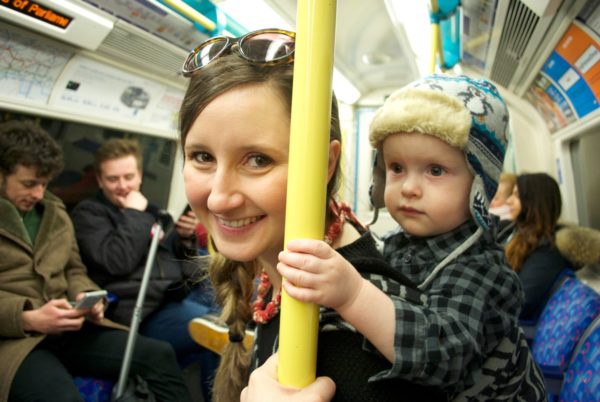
307 177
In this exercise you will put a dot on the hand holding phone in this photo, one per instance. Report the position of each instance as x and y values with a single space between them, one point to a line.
89 299
186 224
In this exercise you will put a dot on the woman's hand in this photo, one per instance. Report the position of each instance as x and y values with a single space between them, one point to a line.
263 387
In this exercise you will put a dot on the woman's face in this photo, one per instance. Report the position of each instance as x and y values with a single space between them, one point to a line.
235 172
514 203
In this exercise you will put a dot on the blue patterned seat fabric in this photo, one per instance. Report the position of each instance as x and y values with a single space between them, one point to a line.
582 379
93 389
566 316
529 326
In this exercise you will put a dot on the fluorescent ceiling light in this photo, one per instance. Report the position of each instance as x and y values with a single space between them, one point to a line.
256 14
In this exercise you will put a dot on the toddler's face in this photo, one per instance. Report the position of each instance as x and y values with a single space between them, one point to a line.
427 184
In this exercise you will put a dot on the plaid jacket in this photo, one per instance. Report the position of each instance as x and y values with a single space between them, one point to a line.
467 309
437 330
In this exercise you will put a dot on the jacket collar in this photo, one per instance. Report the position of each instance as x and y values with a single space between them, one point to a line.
12 223
100 197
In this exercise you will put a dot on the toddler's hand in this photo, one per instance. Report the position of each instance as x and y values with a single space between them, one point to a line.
316 273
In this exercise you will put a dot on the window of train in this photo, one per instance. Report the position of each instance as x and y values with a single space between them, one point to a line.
584 159
79 142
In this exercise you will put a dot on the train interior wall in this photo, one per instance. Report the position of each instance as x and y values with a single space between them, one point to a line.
585 163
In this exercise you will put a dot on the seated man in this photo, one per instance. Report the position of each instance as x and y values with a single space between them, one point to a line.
44 341
113 231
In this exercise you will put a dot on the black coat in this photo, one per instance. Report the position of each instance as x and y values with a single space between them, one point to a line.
114 245
538 273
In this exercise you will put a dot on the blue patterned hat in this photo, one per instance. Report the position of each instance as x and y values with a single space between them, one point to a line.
466 113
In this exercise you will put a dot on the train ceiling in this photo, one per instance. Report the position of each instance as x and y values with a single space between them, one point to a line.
371 50
380 44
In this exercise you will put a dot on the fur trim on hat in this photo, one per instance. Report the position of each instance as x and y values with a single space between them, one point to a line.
580 245
423 111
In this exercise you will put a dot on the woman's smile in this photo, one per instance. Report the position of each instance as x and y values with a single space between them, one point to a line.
235 167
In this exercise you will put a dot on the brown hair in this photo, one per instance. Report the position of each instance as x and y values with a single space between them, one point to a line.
541 205
232 280
24 143
117 148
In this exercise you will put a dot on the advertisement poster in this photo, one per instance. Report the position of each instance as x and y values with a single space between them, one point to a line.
90 87
568 86
152 16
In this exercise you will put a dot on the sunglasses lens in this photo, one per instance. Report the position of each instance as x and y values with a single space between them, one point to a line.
267 46
206 53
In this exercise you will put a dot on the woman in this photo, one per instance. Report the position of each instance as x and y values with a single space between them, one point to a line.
535 206
234 124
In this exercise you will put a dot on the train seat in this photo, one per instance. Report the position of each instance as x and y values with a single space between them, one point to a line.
568 313
529 326
94 389
582 379
208 331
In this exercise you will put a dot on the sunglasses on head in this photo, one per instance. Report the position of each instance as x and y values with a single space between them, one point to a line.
265 46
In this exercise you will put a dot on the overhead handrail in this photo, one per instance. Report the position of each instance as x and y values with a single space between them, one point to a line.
191 13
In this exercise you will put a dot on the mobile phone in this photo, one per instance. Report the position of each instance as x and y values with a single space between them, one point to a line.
187 209
89 299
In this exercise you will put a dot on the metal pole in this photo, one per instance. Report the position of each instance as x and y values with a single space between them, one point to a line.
136 318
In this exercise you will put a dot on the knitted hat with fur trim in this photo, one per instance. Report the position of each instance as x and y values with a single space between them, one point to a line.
466 113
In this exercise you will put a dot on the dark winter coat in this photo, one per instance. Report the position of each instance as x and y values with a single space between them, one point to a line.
114 244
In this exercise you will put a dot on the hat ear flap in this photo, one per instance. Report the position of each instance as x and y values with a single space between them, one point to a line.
377 188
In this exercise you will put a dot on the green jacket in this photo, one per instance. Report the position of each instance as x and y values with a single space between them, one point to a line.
30 276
